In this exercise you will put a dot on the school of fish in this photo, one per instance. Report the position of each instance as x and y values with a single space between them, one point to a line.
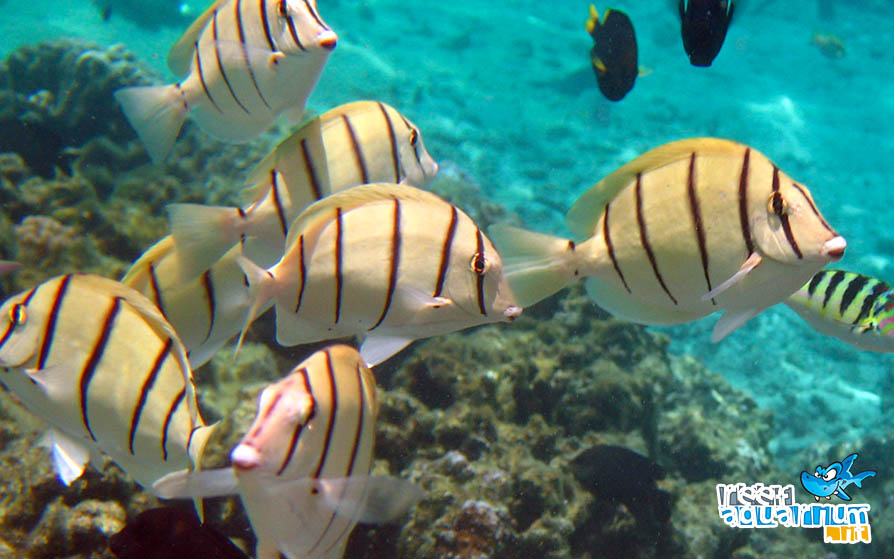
341 239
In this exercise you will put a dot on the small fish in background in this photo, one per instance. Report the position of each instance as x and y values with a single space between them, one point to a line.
353 144
389 262
106 13
303 468
171 533
856 309
242 67
7 266
830 45
98 362
206 310
687 229
621 475
703 25
614 53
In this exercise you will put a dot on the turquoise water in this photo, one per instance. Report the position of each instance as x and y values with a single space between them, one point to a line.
505 98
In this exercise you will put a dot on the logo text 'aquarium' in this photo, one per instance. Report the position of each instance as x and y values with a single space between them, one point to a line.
771 506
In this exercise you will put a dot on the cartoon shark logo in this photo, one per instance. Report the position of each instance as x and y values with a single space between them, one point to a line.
826 482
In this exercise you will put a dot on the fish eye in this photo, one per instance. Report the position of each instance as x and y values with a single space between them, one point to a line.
479 264
17 314
282 9
830 475
414 137
818 472
778 205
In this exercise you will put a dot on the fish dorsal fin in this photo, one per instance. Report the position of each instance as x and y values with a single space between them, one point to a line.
135 274
312 220
180 55
585 213
290 160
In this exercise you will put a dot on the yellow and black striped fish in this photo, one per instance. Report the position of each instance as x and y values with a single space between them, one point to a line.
854 308
244 62
302 469
687 229
97 361
352 144
206 311
389 262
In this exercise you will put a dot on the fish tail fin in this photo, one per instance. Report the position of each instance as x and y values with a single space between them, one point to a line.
536 265
262 286
156 113
203 234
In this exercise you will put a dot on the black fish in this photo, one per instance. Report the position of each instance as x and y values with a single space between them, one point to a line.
613 55
703 25
171 533
620 475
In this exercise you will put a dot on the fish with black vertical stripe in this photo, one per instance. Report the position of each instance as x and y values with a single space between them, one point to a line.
206 310
388 262
356 143
302 469
242 63
99 363
689 228
855 308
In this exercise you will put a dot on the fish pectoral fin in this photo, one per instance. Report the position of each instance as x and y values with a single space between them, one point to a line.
69 455
376 349
388 498
368 499
730 321
185 484
55 380
842 494
752 262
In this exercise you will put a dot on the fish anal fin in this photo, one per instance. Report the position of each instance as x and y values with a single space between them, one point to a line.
730 321
69 455
375 348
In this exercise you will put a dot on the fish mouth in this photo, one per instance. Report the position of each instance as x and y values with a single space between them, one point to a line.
511 313
834 248
327 39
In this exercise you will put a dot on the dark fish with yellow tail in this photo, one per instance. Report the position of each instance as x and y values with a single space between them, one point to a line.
703 25
852 307
687 229
242 64
99 363
302 469
614 54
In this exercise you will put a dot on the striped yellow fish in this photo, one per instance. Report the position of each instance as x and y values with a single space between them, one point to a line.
353 144
302 469
206 311
243 63
98 362
388 261
687 229
854 308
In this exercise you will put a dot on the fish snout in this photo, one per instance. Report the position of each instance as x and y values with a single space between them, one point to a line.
512 312
834 248
245 457
327 39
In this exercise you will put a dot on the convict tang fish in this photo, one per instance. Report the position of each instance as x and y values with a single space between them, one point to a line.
205 310
353 144
389 262
852 307
243 63
302 469
99 363
687 229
